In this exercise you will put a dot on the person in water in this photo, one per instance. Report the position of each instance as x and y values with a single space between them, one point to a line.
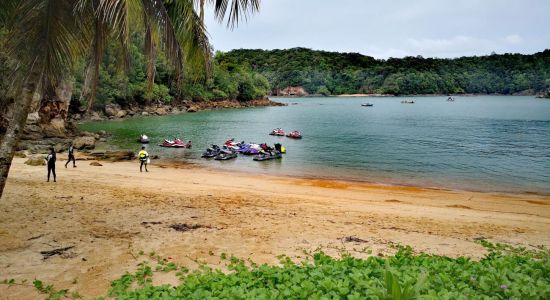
50 161
143 157
71 156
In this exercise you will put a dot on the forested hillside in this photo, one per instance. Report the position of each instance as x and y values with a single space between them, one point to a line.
321 72
117 86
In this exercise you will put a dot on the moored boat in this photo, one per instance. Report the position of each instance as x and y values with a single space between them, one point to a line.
277 132
294 134
143 139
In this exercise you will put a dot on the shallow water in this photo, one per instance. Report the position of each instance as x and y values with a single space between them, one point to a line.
487 143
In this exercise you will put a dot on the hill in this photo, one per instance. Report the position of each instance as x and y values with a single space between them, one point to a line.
321 72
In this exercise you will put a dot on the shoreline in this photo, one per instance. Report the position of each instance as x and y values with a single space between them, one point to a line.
167 162
111 212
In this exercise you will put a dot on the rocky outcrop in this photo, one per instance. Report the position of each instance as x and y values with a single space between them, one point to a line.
84 142
112 110
54 128
113 155
544 94
36 160
49 111
297 91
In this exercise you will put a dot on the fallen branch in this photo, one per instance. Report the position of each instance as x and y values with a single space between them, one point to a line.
58 251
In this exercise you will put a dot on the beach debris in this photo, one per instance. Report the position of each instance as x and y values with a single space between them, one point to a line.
352 238
147 224
95 163
35 237
152 223
459 206
58 251
186 227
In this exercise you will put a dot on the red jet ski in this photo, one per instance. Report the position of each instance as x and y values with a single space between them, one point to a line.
277 132
294 134
177 143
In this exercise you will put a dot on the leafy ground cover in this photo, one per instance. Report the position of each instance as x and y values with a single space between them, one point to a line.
504 273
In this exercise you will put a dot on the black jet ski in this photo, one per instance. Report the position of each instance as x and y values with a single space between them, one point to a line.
268 156
226 155
211 152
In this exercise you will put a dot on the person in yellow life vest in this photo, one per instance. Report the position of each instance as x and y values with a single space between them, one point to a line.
144 159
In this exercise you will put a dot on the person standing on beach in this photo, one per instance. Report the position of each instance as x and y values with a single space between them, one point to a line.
50 161
143 158
71 156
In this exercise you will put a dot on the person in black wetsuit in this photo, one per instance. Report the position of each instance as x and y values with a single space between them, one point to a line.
50 159
71 156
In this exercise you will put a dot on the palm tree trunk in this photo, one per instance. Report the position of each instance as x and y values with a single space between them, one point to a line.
16 126
202 11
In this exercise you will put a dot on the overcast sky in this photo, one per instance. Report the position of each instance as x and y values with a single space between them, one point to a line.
393 28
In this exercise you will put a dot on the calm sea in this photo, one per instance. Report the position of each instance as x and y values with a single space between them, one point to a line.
486 143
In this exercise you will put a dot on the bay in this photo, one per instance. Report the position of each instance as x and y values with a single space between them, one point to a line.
482 143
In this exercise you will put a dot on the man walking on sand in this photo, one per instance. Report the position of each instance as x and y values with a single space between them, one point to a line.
50 161
71 156
143 158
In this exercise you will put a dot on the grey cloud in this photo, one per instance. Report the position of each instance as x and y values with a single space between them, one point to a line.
431 28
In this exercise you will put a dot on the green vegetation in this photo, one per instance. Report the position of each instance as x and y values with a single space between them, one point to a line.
321 72
504 273
226 80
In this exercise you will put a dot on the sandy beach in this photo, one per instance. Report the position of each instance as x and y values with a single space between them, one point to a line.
111 212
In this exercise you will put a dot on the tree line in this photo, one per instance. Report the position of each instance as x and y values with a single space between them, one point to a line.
332 73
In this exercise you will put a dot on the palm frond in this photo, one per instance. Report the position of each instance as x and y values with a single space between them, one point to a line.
191 34
46 37
238 10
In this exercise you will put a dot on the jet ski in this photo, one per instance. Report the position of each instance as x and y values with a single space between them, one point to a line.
407 101
143 139
226 155
294 134
280 148
367 104
176 143
211 152
277 132
268 156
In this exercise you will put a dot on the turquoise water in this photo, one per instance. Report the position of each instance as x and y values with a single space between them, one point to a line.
486 143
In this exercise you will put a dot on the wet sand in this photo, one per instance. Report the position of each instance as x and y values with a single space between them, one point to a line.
105 213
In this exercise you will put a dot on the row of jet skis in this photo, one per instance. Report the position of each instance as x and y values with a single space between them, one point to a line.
231 149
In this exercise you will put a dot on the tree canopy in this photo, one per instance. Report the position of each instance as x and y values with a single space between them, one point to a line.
321 72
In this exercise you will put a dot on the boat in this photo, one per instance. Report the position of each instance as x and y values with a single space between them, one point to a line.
407 101
294 134
226 155
268 156
451 99
367 104
277 132
176 143
143 139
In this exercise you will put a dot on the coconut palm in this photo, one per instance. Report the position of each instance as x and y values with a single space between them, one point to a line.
45 37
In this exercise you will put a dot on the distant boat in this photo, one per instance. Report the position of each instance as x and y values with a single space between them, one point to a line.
367 104
451 99
407 101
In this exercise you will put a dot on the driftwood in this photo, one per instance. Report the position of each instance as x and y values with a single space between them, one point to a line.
186 227
352 238
58 251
